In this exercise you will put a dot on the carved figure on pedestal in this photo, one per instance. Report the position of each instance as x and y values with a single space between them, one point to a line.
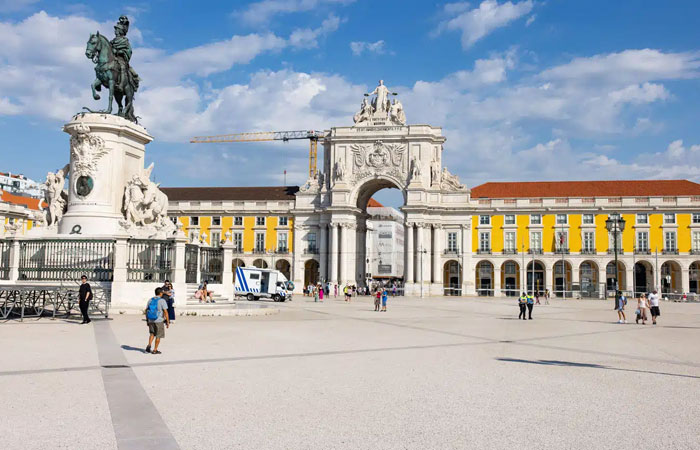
415 169
396 113
146 206
339 170
435 173
56 198
451 182
364 114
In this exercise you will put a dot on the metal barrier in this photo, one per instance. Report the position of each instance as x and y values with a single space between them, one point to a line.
20 302
5 259
149 260
191 254
57 260
452 291
212 264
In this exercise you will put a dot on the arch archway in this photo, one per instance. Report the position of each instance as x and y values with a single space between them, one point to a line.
484 278
562 279
510 278
311 275
236 263
694 277
452 278
283 266
260 263
536 277
670 278
610 276
588 277
643 277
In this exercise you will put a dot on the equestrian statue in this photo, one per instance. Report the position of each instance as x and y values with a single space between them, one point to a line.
113 70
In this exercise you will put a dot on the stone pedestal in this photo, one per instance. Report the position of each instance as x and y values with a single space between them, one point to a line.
106 152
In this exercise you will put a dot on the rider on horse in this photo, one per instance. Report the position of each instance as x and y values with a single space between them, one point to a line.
122 51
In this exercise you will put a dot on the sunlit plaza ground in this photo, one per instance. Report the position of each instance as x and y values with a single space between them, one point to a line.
431 373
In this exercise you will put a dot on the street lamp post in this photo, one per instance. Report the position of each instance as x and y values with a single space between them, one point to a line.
615 224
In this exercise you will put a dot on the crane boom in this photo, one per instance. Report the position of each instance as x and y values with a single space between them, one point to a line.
260 136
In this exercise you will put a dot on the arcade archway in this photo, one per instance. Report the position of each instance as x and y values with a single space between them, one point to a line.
283 266
311 275
670 278
588 277
484 278
536 277
610 276
452 278
510 278
260 263
643 277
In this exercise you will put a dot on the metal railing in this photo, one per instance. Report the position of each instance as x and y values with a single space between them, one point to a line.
611 251
282 250
191 269
642 251
509 251
588 251
20 301
483 251
149 260
60 260
211 266
452 291
534 251
5 259
670 251
451 251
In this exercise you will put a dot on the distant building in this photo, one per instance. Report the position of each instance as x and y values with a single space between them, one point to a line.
20 184
17 213
385 242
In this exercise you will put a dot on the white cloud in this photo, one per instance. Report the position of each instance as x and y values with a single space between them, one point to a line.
358 47
259 13
308 38
476 23
530 20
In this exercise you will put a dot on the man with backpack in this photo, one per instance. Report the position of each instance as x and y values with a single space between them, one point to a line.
157 319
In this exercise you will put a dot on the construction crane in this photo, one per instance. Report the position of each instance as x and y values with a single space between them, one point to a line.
311 135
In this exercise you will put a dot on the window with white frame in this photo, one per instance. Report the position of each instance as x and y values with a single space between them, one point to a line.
670 240
238 241
643 241
588 219
484 241
282 242
311 239
484 220
642 218
536 240
535 219
259 242
194 221
696 241
216 221
509 241
669 218
696 218
562 219
452 242
284 221
238 221
561 240
216 238
260 220
588 241
509 219
612 241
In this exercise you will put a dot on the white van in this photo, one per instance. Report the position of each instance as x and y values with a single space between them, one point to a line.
253 284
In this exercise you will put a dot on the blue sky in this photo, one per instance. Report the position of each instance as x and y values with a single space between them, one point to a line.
524 90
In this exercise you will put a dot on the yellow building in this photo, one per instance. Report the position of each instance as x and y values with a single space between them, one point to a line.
553 236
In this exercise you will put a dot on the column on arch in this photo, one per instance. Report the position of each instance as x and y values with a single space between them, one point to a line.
467 273
408 267
438 244
420 253
323 251
333 253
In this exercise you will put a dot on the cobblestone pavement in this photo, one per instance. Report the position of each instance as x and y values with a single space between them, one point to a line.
427 374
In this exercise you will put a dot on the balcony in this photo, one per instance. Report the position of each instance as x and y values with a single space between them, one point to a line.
259 251
611 251
509 251
534 251
237 249
588 251
695 251
311 251
670 251
483 251
282 250
561 251
451 251
642 251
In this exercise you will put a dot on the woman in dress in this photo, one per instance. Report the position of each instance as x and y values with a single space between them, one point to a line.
642 307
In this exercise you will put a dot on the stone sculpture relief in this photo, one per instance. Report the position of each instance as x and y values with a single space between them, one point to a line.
380 110
339 170
435 177
451 182
86 150
379 158
415 169
55 197
146 208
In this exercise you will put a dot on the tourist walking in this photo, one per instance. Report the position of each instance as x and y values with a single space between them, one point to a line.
314 289
348 293
530 305
546 296
321 292
654 306
537 297
169 297
377 299
393 290
620 302
522 304
642 306
385 296
157 319
84 297
335 290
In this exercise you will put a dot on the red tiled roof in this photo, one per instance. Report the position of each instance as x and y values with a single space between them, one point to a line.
230 193
612 188
23 200
372 203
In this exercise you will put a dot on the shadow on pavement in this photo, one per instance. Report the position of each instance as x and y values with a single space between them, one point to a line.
545 362
134 349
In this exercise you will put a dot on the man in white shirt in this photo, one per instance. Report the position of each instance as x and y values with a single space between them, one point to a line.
654 306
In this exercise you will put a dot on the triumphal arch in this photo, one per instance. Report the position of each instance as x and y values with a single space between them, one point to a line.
382 151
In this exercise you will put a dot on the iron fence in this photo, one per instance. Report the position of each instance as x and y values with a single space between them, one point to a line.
149 260
5 259
22 301
212 264
191 254
61 260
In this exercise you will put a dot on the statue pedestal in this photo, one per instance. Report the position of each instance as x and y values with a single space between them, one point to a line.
106 152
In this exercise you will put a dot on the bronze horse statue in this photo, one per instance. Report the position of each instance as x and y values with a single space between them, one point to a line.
107 70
